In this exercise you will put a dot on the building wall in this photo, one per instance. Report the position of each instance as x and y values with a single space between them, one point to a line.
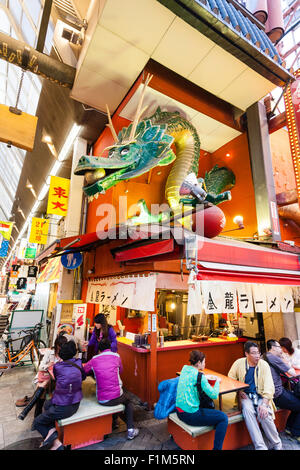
243 199
284 176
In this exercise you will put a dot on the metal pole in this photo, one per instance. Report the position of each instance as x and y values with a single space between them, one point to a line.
44 25
13 51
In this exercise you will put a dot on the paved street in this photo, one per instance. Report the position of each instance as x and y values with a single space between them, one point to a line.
17 435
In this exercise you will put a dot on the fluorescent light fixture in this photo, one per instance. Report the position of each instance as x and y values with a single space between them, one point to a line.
69 142
43 192
55 168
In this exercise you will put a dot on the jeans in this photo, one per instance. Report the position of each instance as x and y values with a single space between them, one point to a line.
288 401
44 422
128 408
208 417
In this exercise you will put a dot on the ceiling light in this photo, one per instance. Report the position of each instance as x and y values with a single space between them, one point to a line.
47 139
69 142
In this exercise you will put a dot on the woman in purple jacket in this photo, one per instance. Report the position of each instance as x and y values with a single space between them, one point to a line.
107 367
101 331
66 397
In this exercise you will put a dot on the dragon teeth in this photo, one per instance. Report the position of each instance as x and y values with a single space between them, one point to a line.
96 196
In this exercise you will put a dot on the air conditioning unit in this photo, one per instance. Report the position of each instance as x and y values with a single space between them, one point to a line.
67 42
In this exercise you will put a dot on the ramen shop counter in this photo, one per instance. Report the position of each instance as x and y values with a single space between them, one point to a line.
138 369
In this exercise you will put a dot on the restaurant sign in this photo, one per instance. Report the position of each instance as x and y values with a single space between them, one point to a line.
234 297
136 292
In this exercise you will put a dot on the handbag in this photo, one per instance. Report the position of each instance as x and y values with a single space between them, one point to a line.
205 400
295 386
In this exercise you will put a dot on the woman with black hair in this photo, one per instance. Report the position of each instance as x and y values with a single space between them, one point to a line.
101 331
290 355
192 391
68 374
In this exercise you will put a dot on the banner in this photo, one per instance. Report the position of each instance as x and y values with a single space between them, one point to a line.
244 292
58 196
234 297
39 231
5 233
212 296
79 317
194 304
259 297
136 292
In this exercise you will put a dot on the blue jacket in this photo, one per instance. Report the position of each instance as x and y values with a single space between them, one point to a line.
94 341
167 398
68 383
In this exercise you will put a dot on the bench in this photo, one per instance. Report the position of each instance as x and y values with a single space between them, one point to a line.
88 425
202 437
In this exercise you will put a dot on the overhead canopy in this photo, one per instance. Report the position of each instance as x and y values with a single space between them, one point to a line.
219 46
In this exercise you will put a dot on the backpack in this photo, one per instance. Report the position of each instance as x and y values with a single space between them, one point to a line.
167 398
205 400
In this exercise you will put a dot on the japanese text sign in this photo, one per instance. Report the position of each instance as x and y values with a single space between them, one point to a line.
58 196
39 231
128 292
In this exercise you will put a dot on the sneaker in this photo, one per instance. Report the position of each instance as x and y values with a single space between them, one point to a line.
132 433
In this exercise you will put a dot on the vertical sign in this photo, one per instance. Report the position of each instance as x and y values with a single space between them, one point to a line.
39 231
58 196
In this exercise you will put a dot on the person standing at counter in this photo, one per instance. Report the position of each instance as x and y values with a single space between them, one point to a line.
101 331
193 389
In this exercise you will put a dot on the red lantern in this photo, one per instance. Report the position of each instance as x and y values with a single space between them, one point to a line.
209 223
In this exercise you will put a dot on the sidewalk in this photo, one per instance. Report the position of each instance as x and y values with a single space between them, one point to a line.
17 435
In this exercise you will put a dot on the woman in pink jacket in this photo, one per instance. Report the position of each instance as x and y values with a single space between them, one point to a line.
107 367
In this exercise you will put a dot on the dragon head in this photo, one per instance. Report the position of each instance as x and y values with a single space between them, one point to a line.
135 152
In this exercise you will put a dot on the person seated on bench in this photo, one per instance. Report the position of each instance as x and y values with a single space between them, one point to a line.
102 330
256 400
192 404
283 398
107 367
66 397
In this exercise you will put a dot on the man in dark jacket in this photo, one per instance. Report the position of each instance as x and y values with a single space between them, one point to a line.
284 398
66 397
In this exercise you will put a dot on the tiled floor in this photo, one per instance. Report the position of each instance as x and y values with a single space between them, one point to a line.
17 435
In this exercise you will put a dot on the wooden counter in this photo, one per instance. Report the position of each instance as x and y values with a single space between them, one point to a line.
220 355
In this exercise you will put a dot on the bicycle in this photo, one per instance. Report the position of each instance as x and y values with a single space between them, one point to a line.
30 345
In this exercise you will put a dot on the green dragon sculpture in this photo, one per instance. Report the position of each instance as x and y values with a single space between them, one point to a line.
146 144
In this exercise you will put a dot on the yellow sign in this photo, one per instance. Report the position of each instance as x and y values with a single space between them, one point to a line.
58 196
39 231
5 229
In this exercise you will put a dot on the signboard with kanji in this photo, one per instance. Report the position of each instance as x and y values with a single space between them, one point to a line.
236 297
39 231
127 292
58 196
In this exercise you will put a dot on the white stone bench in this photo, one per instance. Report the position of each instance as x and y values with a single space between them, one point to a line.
196 431
202 437
88 425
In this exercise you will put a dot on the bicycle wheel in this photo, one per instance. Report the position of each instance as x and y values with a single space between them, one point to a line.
35 357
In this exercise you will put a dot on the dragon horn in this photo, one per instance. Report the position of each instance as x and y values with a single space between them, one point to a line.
138 111
110 125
